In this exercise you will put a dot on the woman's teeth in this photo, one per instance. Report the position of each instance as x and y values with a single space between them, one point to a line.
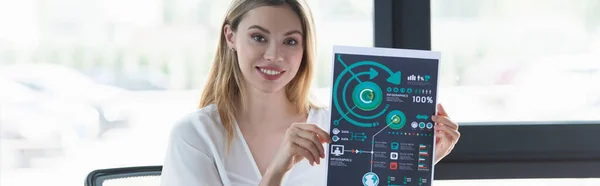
270 72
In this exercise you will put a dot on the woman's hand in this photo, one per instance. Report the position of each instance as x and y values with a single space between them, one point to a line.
446 132
301 141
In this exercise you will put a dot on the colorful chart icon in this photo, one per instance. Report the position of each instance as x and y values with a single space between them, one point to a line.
396 119
335 138
367 96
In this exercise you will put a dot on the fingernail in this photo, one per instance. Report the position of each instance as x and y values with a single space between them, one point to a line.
434 117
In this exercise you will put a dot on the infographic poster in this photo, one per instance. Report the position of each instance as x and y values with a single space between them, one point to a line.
382 101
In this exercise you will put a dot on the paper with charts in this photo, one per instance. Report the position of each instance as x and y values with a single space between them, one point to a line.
381 107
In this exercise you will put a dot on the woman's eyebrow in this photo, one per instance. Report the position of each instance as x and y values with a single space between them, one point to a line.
269 32
260 28
293 32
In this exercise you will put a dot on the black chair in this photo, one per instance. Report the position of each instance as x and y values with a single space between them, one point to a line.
126 176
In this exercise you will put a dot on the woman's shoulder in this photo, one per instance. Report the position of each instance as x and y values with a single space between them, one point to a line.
202 126
203 118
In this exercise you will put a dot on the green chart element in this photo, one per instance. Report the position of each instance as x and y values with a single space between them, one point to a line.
396 119
367 96
374 116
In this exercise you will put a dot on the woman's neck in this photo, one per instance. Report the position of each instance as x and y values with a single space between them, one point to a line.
270 110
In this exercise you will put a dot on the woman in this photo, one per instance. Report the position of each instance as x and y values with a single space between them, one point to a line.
256 124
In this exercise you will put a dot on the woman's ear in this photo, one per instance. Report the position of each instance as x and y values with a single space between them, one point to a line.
229 36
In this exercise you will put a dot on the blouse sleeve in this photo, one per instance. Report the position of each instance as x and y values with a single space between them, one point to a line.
186 162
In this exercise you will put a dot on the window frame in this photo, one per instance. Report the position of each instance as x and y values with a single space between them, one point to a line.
494 150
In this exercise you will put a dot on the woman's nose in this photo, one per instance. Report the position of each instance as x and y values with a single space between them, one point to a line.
273 53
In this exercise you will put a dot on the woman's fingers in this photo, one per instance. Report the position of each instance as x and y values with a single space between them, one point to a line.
305 153
441 110
446 121
315 140
308 140
447 133
308 145
314 128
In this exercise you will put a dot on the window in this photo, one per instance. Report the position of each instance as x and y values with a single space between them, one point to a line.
506 61
522 79
142 63
501 146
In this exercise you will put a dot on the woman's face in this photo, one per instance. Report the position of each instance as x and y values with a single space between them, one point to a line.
269 47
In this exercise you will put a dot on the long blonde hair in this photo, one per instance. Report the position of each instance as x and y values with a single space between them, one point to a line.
225 83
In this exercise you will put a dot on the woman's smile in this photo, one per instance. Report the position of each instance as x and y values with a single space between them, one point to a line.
270 72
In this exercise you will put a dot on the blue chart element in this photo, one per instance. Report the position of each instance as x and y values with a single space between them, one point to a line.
352 109
366 96
372 73
335 138
394 146
422 116
370 179
395 119
395 78
359 136
429 125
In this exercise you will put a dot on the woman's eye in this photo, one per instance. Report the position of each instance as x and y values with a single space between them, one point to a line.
291 42
259 38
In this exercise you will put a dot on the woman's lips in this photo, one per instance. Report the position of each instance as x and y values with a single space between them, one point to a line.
269 72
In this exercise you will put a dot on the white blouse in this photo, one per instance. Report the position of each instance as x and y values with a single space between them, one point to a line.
197 154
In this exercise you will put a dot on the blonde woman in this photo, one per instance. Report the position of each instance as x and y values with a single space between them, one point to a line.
256 124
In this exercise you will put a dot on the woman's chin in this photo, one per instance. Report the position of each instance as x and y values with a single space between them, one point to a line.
270 89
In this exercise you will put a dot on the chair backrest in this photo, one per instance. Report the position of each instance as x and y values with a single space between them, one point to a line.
125 176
